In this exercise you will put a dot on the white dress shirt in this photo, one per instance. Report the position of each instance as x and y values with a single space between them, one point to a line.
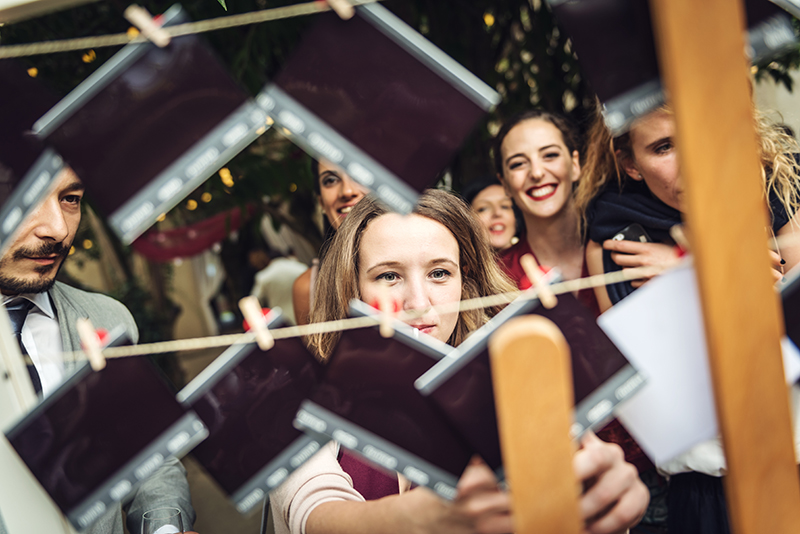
41 336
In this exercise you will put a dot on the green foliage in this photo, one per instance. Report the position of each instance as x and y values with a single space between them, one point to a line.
779 68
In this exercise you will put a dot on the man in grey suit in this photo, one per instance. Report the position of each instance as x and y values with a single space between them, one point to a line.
27 280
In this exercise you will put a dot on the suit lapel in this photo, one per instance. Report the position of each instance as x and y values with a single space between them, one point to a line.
67 313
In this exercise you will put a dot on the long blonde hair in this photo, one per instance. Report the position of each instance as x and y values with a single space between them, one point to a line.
780 173
337 282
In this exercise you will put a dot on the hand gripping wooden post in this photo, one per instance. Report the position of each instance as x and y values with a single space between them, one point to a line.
701 52
532 377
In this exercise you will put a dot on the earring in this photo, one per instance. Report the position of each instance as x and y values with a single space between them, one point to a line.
640 176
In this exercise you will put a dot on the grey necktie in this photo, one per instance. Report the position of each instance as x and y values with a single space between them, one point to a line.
17 313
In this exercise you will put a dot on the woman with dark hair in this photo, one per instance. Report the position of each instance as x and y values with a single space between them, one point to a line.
437 255
495 210
537 160
337 193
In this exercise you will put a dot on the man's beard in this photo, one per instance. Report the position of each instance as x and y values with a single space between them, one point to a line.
11 285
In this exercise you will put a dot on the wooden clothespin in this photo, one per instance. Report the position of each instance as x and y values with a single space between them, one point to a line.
535 275
251 309
90 340
343 8
679 236
141 18
386 307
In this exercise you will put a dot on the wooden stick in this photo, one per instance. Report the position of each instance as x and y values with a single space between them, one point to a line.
254 315
91 343
532 378
701 47
343 8
141 18
535 275
386 307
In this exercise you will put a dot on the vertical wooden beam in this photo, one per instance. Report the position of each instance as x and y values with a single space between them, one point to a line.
532 377
701 50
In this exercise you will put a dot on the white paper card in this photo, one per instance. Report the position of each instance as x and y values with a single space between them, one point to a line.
659 328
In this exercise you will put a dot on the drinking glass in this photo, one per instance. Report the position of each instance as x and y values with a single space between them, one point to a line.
162 521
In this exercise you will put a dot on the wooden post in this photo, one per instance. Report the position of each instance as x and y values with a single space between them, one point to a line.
701 50
532 377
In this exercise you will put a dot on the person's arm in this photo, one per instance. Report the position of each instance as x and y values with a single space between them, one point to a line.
594 264
167 487
615 499
479 507
301 298
790 246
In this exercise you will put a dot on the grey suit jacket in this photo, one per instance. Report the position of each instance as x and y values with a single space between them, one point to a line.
168 485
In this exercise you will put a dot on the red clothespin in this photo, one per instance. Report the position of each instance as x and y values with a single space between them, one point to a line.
535 275
150 28
343 8
681 243
92 342
387 309
254 315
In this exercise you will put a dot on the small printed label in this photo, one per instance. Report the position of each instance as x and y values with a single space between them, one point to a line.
205 159
265 101
392 198
166 191
139 214
325 147
234 134
175 444
36 188
277 477
777 33
575 430
258 117
92 514
12 220
629 386
149 466
601 409
120 490
306 453
292 121
346 439
643 105
417 476
380 457
251 500
360 174
615 120
311 421
445 490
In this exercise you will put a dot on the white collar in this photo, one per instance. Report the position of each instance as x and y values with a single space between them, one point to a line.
41 300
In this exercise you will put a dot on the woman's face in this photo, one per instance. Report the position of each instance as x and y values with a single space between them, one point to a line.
538 169
338 193
416 261
494 209
655 157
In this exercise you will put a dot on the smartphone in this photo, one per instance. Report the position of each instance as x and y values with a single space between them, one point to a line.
633 232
